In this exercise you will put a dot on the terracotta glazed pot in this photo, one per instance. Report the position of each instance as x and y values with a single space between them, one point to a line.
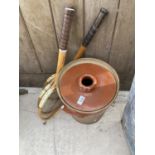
87 87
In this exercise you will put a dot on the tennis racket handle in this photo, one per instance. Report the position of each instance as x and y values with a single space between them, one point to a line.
80 52
97 22
64 37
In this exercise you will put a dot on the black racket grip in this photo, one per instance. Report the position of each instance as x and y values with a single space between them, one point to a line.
97 22
64 37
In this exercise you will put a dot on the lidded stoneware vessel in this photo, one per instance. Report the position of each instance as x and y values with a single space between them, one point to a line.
87 87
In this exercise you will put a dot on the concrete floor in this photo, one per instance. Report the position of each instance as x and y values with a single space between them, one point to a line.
62 135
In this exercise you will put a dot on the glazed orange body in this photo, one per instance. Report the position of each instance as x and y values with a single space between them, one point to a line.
87 87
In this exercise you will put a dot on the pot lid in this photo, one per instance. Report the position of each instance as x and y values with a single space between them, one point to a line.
87 84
